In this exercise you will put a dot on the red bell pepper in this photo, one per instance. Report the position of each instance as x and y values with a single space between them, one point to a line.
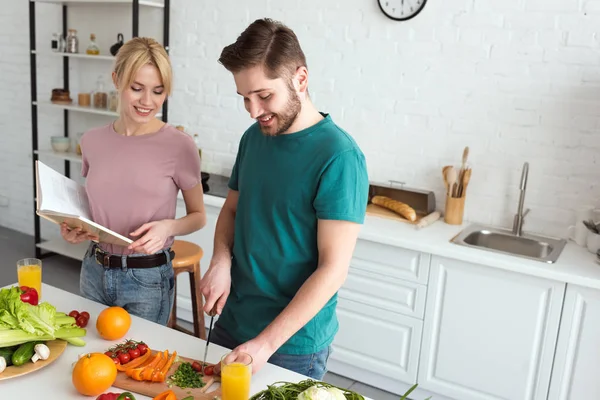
29 295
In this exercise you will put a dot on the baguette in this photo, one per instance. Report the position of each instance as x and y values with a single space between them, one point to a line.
396 206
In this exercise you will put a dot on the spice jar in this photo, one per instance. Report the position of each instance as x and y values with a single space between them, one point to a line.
100 96
84 99
72 42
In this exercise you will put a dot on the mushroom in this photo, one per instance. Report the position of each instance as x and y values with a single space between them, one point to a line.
2 364
42 352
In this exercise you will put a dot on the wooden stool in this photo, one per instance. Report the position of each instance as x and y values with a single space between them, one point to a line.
187 259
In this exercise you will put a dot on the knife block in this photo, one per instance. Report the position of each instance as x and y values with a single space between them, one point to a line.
454 210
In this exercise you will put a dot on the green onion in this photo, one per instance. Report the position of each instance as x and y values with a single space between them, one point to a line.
186 377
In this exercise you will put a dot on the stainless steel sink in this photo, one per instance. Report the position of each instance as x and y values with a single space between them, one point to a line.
540 248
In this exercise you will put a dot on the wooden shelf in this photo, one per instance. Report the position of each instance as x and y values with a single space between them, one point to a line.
147 3
73 55
62 247
56 154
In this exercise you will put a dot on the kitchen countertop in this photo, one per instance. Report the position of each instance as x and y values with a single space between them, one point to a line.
575 264
54 380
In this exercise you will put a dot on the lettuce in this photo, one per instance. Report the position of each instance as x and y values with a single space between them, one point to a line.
22 322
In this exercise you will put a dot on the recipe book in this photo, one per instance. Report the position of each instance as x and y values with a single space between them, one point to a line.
60 199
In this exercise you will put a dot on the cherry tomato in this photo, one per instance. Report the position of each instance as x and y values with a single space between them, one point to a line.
124 358
110 354
85 314
134 353
116 360
196 366
143 348
209 370
74 314
81 321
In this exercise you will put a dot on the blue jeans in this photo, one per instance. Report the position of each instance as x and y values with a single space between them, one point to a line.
145 292
312 365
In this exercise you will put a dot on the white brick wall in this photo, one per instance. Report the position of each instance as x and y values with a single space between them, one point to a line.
515 80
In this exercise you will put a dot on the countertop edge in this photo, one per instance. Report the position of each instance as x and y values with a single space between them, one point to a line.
576 265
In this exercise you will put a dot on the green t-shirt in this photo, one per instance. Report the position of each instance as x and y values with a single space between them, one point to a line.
286 183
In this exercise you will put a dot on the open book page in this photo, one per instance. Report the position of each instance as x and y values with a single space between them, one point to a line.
60 194
61 199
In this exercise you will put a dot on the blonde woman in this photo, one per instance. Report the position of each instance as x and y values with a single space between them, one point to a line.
134 169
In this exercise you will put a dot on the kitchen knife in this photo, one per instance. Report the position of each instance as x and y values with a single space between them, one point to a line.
207 341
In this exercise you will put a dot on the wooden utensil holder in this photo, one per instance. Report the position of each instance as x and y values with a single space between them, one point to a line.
455 208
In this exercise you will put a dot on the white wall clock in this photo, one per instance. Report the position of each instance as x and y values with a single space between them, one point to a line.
401 10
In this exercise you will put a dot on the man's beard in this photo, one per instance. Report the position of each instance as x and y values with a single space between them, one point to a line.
287 117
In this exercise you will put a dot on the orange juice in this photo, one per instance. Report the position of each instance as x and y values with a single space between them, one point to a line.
235 381
29 273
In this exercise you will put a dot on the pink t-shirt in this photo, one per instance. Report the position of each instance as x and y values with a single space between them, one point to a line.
132 180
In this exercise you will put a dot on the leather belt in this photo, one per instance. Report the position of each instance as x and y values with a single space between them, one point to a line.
148 261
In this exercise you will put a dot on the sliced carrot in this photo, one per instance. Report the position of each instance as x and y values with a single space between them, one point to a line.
135 363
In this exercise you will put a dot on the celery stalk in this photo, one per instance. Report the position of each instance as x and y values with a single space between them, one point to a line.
76 341
15 337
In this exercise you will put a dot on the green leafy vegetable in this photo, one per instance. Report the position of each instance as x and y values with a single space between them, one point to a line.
291 391
22 322
186 377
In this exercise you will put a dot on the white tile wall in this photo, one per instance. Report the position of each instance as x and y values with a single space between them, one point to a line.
515 80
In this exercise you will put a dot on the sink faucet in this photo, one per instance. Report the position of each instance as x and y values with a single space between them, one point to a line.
518 222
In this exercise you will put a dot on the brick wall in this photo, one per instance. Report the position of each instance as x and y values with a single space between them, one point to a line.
515 80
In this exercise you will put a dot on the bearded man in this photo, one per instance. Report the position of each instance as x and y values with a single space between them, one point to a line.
286 233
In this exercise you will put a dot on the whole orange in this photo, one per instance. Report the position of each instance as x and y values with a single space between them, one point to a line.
93 374
113 323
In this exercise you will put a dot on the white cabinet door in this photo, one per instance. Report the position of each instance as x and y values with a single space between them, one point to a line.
375 346
488 334
576 373
205 239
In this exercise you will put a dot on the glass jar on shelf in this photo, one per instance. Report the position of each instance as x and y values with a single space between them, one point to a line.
72 42
100 96
93 48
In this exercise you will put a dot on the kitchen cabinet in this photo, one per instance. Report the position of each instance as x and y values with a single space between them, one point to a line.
380 311
205 239
488 333
577 362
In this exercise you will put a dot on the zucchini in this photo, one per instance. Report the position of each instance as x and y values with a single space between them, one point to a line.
7 353
24 353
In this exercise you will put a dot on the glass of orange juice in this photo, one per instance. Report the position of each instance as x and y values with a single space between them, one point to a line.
236 372
29 272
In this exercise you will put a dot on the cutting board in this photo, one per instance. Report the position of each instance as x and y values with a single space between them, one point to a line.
56 348
379 211
152 389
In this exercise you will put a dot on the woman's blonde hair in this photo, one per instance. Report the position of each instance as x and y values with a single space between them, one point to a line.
136 53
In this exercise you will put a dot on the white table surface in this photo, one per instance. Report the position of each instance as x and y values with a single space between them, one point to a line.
54 380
